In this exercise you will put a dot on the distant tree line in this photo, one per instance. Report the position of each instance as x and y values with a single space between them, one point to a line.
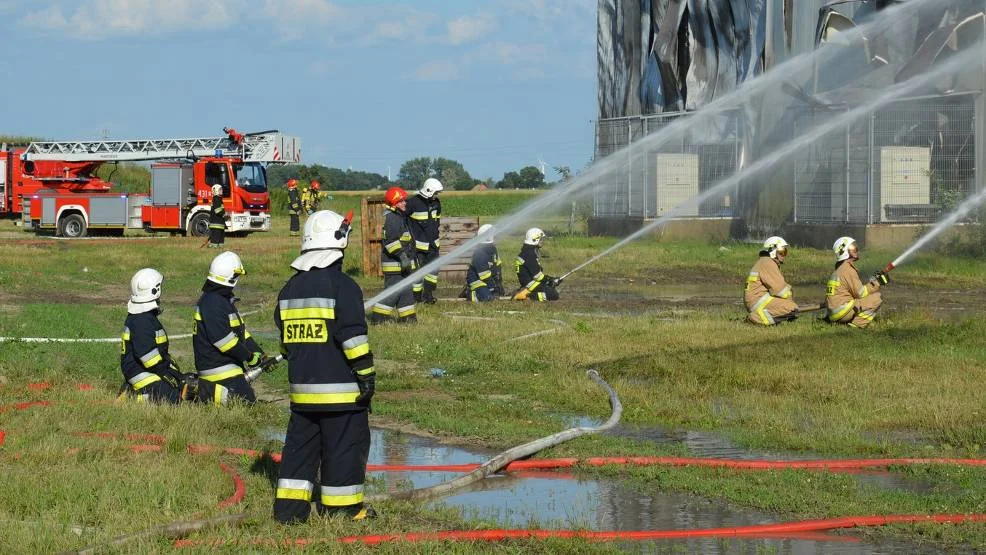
411 175
330 178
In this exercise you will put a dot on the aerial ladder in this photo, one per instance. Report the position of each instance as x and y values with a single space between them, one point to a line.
53 185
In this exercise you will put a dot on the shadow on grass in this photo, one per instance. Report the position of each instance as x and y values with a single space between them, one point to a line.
265 466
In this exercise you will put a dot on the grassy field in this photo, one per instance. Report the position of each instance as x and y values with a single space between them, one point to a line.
660 321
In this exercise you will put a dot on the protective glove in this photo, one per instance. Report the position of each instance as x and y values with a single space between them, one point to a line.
881 277
406 263
366 386
555 282
256 359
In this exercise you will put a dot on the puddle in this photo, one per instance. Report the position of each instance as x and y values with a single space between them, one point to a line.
560 500
713 446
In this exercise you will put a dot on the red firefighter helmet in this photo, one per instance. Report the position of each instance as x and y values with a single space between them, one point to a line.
315 184
394 195
292 183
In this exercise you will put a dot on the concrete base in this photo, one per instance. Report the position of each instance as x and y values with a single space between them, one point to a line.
710 229
872 236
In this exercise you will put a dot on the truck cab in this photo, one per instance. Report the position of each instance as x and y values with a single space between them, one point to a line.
181 196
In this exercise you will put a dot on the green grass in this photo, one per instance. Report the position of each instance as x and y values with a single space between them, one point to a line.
909 386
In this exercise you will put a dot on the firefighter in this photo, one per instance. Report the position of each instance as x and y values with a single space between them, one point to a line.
148 370
534 284
323 333
217 218
484 277
223 347
315 197
294 206
768 297
425 212
847 299
305 199
396 260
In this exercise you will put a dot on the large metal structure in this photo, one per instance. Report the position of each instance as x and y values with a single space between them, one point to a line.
660 59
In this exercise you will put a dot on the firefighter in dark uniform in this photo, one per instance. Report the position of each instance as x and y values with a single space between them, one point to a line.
294 206
148 371
323 333
223 347
217 218
425 213
484 276
534 284
396 261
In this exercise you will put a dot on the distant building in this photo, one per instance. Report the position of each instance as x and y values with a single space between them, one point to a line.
658 60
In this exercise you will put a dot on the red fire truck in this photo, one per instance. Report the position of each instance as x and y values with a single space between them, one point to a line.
53 185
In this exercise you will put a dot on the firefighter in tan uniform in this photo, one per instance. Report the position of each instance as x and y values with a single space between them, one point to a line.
768 296
848 300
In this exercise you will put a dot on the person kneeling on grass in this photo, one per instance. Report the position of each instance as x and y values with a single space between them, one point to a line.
534 285
148 370
847 299
768 297
484 279
223 347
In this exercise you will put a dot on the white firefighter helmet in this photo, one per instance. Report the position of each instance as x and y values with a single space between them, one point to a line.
487 228
226 268
775 245
217 189
430 187
325 236
842 248
533 236
145 286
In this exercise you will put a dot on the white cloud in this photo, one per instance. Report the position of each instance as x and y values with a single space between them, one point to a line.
96 19
294 19
470 28
395 23
438 71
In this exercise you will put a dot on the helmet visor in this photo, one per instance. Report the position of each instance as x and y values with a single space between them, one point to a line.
781 250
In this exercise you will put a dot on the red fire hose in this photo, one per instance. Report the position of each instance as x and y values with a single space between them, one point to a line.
799 529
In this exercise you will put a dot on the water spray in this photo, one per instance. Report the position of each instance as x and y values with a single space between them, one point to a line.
802 66
956 63
959 213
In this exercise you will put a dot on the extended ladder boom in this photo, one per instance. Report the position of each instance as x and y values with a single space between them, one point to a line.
268 146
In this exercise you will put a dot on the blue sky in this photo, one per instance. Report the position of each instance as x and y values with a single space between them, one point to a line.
495 84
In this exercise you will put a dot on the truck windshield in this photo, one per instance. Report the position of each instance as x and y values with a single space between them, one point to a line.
251 178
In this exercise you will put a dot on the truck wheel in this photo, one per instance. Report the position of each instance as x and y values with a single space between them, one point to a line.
73 226
198 226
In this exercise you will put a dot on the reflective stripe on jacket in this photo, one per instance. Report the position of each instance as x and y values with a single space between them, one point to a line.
844 288
323 335
220 341
765 281
396 239
144 357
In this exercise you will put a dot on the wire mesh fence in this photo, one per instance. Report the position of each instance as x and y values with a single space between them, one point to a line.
661 175
911 162
908 163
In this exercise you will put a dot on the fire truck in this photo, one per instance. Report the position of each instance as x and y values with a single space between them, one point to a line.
54 187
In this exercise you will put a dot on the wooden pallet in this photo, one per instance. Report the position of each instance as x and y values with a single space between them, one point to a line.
453 231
